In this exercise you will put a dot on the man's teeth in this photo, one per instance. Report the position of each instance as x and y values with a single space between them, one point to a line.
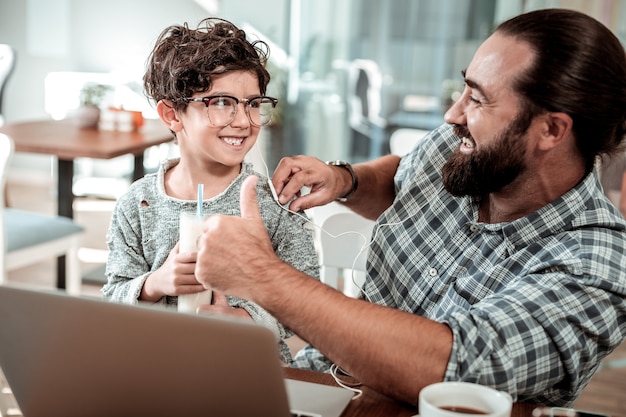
468 142
233 141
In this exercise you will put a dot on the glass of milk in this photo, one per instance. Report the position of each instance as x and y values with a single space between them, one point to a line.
190 231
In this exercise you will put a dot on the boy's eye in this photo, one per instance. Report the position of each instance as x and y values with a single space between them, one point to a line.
221 102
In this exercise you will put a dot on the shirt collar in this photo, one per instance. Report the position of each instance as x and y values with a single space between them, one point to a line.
585 204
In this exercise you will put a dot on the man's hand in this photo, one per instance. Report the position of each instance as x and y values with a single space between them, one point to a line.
326 182
233 251
375 193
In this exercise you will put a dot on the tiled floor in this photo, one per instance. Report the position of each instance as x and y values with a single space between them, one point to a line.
606 392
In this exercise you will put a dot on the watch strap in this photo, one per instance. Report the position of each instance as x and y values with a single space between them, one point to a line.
355 179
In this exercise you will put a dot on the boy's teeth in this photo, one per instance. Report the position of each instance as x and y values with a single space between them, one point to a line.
233 141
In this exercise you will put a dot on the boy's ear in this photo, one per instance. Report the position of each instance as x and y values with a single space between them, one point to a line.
168 114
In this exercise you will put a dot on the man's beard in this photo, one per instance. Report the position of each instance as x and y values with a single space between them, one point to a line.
488 170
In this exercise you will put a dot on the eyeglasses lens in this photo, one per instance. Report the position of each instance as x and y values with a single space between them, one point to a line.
222 110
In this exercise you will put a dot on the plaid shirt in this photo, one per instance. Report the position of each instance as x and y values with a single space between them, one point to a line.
534 304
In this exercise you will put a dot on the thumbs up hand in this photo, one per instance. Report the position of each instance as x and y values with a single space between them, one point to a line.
235 251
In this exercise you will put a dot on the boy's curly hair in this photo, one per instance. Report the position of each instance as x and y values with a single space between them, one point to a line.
184 60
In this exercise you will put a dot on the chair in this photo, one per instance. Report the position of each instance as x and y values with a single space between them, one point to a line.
402 141
342 238
365 102
7 64
27 238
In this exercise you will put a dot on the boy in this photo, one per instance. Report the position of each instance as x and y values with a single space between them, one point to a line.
208 85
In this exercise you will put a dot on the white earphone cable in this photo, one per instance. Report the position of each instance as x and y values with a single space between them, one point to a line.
334 369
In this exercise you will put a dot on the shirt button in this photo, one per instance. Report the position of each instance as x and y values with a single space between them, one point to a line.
474 228
433 272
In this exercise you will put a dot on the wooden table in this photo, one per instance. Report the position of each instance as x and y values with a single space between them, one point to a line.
370 404
373 404
67 142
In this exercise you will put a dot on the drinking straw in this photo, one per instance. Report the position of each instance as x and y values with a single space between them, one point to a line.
200 195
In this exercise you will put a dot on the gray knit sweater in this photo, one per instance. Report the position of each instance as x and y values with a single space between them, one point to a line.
144 229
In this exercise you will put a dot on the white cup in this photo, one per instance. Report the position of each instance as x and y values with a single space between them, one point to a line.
189 232
440 399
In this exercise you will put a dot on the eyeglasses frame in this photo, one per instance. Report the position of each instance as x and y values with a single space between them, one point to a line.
246 101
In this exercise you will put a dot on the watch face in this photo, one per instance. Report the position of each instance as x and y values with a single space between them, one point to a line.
355 180
337 163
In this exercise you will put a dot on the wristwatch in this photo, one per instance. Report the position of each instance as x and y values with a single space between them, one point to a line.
355 179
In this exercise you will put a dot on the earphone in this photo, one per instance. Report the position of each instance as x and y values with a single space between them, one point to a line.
271 184
334 369
309 221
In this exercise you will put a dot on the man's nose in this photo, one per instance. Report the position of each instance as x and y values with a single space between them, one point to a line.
456 113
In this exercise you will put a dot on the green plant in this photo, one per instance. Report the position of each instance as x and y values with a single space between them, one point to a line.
92 94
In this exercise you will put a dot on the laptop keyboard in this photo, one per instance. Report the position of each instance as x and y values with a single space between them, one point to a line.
8 405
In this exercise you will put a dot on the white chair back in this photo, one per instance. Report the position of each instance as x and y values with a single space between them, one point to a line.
343 243
7 65
402 141
6 153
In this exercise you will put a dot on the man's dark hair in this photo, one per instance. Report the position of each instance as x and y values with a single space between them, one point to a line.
184 61
579 69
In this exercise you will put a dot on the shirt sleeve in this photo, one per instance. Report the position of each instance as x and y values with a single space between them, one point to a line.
121 286
539 337
127 265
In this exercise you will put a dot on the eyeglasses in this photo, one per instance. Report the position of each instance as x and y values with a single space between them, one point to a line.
222 110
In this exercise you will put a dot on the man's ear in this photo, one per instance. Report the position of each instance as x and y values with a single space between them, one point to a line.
556 128
168 114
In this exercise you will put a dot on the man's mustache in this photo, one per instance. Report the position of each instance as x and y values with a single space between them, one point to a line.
461 131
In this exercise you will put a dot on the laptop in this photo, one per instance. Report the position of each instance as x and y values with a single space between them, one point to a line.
76 356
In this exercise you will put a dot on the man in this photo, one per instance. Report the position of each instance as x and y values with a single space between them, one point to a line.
496 258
